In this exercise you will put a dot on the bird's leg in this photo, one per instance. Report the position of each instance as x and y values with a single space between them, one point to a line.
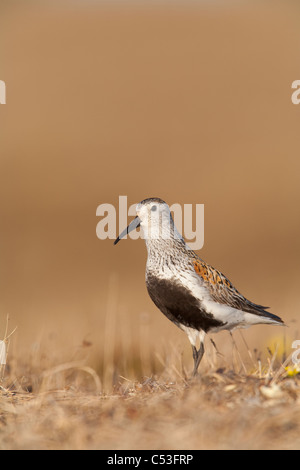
197 355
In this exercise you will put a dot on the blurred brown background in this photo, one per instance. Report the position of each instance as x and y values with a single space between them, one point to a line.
190 102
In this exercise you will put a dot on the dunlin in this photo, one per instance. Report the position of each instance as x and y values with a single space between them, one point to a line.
193 295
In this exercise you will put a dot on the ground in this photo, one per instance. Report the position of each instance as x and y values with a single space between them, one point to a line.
219 409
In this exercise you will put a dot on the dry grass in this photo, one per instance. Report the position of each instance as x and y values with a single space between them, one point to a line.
238 406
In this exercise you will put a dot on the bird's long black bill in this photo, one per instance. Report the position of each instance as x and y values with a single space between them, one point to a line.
132 226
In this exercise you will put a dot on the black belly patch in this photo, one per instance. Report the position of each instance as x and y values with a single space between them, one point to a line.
179 305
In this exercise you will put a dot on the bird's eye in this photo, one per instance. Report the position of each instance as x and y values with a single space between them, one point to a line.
153 208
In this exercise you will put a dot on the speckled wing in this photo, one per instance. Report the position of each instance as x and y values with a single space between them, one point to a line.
223 292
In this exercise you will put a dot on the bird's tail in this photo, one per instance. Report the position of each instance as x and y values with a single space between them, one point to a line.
264 317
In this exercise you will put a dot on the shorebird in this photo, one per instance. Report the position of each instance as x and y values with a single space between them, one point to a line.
189 292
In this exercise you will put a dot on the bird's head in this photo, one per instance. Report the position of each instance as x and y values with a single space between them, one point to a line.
155 219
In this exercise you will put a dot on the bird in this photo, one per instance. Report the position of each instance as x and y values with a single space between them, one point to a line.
196 297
